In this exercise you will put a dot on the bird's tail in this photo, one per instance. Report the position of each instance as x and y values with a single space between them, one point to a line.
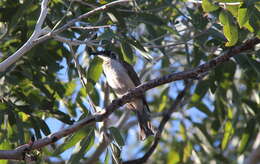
146 128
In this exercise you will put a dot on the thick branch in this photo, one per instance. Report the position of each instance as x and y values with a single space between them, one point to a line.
190 74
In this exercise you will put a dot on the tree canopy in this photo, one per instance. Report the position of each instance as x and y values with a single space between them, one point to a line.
199 63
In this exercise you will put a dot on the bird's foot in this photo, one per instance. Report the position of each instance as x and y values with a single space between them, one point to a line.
130 90
98 114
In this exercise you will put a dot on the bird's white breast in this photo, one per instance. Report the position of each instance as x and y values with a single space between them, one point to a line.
117 77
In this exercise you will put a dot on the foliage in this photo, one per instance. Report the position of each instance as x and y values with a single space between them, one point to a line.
158 37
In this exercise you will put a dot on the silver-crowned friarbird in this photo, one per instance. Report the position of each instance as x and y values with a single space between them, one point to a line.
121 77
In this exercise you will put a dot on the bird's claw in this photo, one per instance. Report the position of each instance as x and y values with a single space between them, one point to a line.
130 90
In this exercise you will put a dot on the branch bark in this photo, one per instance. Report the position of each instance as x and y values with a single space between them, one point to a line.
194 73
254 157
36 39
29 44
230 3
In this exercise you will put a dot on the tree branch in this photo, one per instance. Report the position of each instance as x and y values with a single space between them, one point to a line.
229 3
29 44
93 27
253 157
18 153
36 39
73 42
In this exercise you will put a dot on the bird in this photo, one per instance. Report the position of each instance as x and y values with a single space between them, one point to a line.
121 77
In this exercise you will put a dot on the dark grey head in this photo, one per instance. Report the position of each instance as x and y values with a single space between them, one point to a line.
106 53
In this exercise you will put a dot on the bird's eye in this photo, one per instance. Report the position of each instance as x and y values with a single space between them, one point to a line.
113 55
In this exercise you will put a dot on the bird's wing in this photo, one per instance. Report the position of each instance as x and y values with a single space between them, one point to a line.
134 77
131 72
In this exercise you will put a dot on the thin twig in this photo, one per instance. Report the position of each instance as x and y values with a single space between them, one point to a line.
64 16
74 42
92 27
85 3
82 79
229 3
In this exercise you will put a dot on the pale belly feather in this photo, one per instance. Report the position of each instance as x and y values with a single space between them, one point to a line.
120 82
117 77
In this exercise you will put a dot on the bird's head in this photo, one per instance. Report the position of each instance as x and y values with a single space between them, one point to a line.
106 55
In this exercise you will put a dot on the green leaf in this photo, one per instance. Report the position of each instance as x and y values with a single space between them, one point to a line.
229 130
149 19
200 91
4 161
183 131
117 18
246 136
82 147
243 16
72 140
44 127
19 14
229 113
107 35
208 6
127 52
95 69
251 104
202 107
233 9
163 102
173 157
70 87
254 64
80 103
117 136
224 17
93 93
203 135
187 151
135 43
116 153
63 117
145 54
107 157
254 21
5 145
229 28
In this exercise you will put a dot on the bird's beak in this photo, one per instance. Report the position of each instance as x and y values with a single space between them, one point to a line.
100 54
97 53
